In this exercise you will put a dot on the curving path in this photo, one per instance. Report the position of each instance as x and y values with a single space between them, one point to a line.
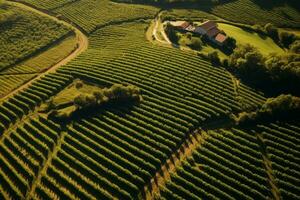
82 45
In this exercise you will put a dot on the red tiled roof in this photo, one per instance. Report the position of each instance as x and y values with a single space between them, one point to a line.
213 32
220 38
208 25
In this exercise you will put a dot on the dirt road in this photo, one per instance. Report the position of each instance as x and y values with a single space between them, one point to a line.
82 42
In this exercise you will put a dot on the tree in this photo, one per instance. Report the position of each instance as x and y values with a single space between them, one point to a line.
90 100
196 43
172 34
230 43
214 58
287 38
281 107
295 47
272 31
100 97
79 101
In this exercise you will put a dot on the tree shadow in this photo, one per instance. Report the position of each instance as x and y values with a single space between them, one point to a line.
117 107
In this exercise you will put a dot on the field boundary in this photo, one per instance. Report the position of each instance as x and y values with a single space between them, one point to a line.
192 141
46 164
268 167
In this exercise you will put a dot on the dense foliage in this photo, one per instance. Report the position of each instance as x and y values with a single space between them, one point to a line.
25 33
88 102
283 107
116 92
265 71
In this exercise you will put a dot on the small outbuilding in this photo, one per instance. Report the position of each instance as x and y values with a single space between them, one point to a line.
220 39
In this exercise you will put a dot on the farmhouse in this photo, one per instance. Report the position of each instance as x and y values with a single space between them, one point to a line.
208 28
211 30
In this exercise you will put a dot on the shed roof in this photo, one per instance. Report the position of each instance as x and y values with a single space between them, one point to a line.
221 38
208 25
212 32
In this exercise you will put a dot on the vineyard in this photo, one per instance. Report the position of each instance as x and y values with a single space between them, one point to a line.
115 151
91 14
45 60
230 165
242 11
26 34
49 4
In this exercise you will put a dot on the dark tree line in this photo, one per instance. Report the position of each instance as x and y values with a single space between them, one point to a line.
277 73
282 107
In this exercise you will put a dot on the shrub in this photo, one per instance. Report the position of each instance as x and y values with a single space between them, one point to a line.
196 43
78 84
172 34
287 38
295 47
214 58
272 31
230 44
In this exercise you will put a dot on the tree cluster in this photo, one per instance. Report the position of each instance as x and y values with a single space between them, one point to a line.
172 33
117 92
86 102
281 70
281 107
283 38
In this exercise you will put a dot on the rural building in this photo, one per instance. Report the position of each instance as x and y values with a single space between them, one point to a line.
212 33
220 39
181 25
208 28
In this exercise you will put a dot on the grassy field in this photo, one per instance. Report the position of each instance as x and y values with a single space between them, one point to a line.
68 94
265 44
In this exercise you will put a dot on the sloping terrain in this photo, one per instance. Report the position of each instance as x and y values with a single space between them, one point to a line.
115 151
